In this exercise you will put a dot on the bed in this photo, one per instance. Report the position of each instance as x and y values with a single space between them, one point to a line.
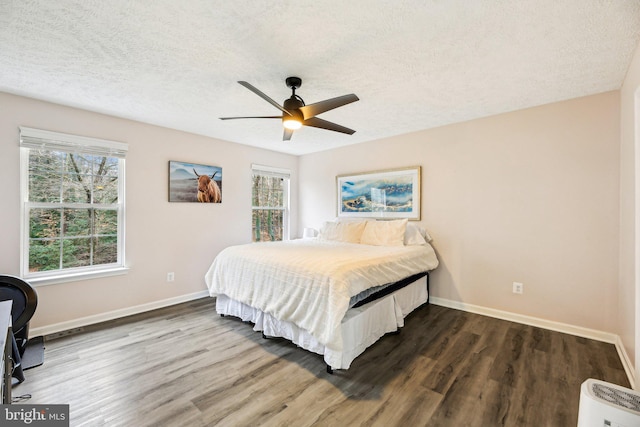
334 295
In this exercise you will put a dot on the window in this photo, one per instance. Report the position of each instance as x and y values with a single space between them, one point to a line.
270 203
72 193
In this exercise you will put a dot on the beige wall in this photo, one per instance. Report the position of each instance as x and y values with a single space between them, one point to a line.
160 236
629 301
530 196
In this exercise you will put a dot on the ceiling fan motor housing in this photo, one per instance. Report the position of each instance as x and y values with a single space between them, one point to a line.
292 105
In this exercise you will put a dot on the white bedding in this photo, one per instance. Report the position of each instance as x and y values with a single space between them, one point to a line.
310 282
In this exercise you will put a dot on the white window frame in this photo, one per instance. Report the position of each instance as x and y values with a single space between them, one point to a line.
41 139
280 173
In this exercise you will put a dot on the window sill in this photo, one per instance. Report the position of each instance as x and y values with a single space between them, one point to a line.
74 277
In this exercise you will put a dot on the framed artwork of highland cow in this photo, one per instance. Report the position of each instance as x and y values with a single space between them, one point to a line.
192 182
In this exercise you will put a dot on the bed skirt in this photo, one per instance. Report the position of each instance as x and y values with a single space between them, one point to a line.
361 326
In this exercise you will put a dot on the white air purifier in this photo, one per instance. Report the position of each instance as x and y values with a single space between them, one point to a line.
608 405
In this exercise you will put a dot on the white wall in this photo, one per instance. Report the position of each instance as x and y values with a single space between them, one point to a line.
629 301
161 236
530 196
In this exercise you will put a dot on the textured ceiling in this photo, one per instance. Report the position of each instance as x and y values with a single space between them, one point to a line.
413 64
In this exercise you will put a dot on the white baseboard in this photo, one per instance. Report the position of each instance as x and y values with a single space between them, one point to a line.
546 324
626 362
115 314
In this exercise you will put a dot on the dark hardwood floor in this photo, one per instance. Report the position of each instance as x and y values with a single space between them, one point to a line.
186 366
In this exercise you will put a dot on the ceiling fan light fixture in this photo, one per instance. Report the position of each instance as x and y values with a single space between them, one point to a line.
291 123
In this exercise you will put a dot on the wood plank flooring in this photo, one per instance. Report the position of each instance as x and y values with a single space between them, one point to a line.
186 366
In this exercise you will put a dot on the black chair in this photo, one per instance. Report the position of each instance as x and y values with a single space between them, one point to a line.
25 301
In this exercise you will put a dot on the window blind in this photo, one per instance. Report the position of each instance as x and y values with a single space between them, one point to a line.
55 141
270 171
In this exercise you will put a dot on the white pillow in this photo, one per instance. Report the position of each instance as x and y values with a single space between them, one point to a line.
349 232
414 235
384 233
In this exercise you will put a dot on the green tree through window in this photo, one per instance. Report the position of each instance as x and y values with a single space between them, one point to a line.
270 203
73 215
73 208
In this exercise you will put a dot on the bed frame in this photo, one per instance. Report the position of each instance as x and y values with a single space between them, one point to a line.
364 324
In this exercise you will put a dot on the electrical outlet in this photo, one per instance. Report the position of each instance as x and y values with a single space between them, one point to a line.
518 288
171 277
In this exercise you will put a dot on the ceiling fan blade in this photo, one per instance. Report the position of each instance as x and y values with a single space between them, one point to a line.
263 96
313 110
324 124
288 133
251 117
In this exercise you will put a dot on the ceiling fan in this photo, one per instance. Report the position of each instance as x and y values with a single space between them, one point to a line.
296 114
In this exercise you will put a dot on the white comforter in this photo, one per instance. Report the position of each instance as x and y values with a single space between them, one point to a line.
310 282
